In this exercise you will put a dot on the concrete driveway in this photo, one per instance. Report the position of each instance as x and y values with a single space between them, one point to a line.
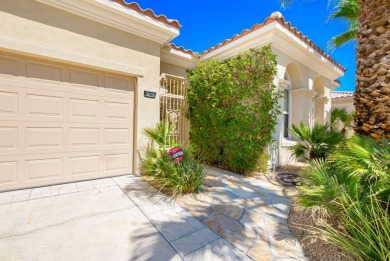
120 218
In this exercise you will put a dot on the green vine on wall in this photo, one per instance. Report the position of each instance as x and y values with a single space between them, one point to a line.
233 109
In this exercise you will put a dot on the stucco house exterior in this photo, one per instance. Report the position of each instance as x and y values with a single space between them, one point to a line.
81 79
343 99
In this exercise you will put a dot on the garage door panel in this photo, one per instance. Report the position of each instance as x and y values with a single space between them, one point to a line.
8 102
119 85
8 68
84 136
117 163
117 110
43 169
44 105
8 172
45 73
61 123
84 165
117 136
84 109
84 80
8 138
44 137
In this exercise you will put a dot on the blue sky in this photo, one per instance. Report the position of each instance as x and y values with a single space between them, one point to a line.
206 23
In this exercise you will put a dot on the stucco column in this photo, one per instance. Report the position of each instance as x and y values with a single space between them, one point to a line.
302 106
320 109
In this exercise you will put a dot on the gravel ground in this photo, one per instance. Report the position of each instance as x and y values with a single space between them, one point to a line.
299 223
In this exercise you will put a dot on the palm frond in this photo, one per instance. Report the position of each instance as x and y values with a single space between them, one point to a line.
341 114
343 38
346 9
160 134
317 141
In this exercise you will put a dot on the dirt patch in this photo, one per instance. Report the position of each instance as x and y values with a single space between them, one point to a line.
300 222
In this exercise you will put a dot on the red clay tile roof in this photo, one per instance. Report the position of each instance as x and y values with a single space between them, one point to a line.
181 49
286 25
149 12
341 94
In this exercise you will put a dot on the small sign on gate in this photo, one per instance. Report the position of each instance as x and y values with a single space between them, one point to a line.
176 154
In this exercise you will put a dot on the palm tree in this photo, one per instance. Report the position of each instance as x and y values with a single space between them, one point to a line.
372 95
347 10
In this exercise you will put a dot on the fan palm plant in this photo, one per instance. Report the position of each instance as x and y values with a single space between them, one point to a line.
342 115
369 161
358 170
161 135
316 142
323 186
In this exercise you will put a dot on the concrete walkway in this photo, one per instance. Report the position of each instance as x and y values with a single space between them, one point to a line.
249 213
120 218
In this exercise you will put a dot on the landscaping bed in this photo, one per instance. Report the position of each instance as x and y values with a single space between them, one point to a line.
300 221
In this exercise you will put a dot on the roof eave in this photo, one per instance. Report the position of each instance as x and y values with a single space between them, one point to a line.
255 39
289 43
176 57
281 39
118 16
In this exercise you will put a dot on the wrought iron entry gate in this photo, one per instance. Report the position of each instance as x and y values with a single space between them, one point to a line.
173 91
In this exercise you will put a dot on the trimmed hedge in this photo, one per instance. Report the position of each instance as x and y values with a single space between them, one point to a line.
233 109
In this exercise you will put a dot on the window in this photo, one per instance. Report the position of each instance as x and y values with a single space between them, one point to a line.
286 107
286 112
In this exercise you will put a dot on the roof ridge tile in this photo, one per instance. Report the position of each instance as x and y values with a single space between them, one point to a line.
149 12
182 49
285 24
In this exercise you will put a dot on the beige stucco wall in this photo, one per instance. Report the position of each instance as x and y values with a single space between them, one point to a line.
344 103
309 103
172 69
41 30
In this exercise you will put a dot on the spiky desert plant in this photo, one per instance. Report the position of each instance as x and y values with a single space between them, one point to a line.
316 142
176 177
365 231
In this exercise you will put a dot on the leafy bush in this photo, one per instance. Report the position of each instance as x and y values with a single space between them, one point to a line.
182 177
316 142
233 109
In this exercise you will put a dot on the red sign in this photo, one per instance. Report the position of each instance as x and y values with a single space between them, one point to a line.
176 154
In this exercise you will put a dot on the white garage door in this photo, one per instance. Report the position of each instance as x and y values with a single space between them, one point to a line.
61 123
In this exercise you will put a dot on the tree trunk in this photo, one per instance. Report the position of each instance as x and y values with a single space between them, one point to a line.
372 95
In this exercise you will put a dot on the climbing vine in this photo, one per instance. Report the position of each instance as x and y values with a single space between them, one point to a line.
233 109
